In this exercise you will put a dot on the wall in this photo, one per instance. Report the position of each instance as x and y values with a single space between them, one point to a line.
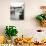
26 26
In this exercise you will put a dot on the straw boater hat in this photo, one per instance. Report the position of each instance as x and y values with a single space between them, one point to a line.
42 7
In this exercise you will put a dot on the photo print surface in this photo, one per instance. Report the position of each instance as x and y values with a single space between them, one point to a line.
17 12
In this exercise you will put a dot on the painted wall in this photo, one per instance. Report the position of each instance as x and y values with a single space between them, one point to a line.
29 24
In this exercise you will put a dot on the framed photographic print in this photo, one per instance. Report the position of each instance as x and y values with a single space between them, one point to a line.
17 11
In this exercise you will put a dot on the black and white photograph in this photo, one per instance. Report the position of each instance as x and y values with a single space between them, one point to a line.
17 12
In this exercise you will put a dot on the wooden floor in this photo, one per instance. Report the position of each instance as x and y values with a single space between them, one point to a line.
30 45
